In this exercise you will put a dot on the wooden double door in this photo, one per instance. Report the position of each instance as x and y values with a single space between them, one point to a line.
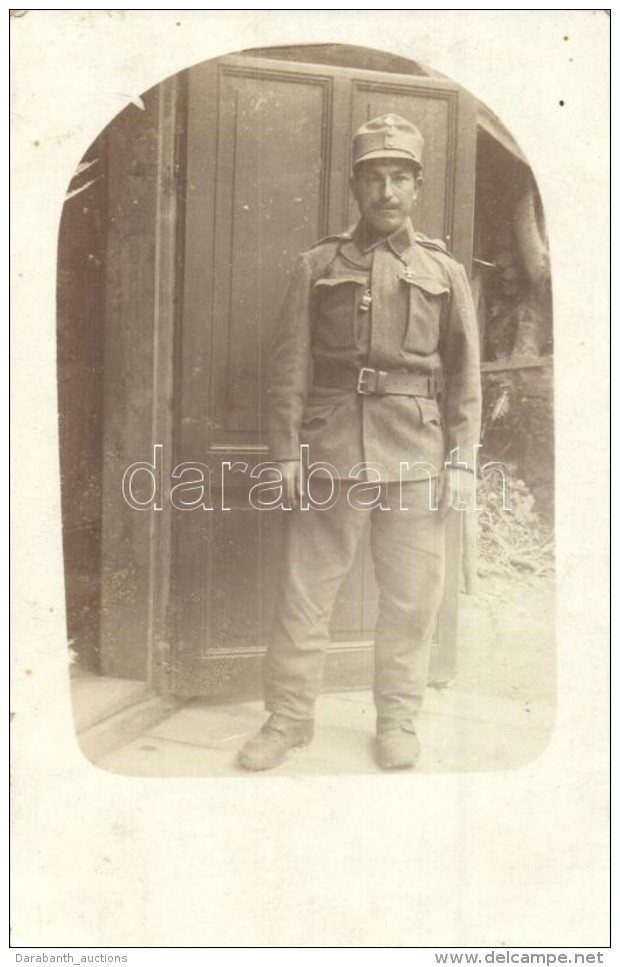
265 166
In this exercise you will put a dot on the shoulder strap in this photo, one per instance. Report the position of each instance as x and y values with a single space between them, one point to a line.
343 237
435 244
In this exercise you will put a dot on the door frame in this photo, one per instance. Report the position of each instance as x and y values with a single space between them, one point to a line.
135 606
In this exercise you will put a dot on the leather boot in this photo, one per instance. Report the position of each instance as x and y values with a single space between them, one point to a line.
270 746
398 747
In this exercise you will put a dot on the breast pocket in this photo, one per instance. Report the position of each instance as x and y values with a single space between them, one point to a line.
338 300
426 298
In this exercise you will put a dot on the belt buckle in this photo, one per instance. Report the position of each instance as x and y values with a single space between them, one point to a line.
365 373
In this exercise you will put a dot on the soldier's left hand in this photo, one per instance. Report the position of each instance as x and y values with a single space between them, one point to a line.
456 490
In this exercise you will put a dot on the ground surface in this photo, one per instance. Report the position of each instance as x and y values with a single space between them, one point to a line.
497 714
507 645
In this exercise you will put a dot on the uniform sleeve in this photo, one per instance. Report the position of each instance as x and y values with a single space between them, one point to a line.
460 352
290 366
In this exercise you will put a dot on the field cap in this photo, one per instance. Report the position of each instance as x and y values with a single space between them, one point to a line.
388 136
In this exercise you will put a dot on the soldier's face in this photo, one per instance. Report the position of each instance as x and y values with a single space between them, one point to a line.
385 192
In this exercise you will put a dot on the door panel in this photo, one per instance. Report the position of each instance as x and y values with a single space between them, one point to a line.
269 188
267 175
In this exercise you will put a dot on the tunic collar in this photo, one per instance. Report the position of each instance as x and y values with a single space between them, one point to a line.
402 239
357 250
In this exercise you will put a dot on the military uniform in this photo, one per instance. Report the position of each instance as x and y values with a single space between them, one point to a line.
375 368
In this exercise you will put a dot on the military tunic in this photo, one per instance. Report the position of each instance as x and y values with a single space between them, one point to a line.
400 305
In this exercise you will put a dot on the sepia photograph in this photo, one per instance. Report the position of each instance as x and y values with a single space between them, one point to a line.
310 627
305 373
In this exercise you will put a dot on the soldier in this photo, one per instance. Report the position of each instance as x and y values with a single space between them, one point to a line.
375 381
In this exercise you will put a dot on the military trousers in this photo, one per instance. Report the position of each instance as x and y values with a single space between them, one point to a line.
408 551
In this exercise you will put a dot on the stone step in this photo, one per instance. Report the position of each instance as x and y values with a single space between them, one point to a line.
110 712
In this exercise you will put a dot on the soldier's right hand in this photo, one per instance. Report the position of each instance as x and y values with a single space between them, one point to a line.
291 482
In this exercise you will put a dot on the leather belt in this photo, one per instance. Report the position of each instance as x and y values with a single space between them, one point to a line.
378 382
